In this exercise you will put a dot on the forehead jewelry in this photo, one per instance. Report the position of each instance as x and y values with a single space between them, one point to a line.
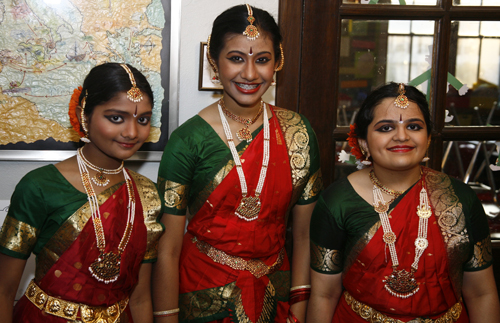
401 101
134 94
251 31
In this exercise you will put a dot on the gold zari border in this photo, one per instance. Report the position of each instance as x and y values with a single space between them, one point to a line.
371 315
175 195
255 266
69 310
482 253
17 236
326 260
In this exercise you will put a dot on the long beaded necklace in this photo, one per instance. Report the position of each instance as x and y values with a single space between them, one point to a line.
401 283
244 133
249 207
106 268
100 178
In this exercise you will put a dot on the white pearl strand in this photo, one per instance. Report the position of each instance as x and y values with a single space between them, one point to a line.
96 213
236 157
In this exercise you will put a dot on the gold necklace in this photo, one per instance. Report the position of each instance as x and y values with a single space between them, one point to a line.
100 178
376 182
402 283
106 268
244 133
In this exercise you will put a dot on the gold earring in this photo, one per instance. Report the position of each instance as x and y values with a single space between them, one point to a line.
215 79
83 120
282 60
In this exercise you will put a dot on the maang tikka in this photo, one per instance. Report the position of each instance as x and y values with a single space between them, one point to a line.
401 101
251 31
134 94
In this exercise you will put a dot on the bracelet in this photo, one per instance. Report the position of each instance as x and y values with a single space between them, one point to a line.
300 287
166 313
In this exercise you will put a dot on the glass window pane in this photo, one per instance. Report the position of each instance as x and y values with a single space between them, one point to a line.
393 2
474 74
475 2
372 55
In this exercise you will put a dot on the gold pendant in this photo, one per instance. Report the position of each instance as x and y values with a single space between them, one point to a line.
244 134
249 208
401 283
100 179
106 268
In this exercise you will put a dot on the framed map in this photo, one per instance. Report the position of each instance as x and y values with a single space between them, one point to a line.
47 47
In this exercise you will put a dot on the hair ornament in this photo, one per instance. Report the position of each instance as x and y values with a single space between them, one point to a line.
215 78
401 101
251 31
134 94
282 60
74 102
356 157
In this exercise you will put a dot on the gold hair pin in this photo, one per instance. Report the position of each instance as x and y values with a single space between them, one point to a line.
401 101
134 94
251 31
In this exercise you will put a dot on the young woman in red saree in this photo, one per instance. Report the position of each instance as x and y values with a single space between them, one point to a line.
399 242
91 222
240 166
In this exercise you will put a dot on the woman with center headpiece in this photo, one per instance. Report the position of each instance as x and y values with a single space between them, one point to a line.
241 166
396 241
90 222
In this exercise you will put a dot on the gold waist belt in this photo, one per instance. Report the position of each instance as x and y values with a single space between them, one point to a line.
371 315
69 310
255 266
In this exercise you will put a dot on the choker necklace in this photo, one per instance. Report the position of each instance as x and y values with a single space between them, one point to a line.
100 178
383 188
244 133
106 268
249 207
401 283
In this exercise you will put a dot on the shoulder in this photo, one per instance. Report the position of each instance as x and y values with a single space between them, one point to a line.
285 115
193 125
337 191
39 175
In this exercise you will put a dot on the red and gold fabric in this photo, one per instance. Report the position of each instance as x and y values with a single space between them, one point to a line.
63 260
230 267
458 238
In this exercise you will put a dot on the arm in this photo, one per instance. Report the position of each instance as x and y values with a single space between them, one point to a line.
166 269
12 272
140 299
301 254
480 296
325 294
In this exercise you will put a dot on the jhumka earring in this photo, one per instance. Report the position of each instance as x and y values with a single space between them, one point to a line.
282 63
83 120
251 31
366 162
134 94
426 158
215 78
401 101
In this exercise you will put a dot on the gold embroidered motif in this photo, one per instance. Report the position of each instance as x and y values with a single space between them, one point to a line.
325 260
268 309
151 208
313 186
204 303
18 236
175 195
482 254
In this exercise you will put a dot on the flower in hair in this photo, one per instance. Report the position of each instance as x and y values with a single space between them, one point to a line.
73 104
352 139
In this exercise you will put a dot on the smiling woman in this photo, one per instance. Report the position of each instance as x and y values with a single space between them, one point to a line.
240 166
399 240
90 221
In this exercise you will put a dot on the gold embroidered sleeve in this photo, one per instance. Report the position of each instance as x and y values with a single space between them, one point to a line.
17 237
313 186
482 256
174 196
325 260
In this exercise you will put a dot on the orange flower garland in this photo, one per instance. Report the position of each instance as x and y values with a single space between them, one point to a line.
352 139
73 103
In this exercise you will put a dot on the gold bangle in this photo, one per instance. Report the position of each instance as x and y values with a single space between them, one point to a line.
299 287
165 313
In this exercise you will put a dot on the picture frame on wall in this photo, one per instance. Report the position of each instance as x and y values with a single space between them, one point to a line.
206 72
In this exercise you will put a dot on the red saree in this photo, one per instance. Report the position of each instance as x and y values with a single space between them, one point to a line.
210 290
364 279
73 248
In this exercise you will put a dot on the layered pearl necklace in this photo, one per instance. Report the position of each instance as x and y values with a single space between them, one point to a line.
401 283
249 207
106 268
244 133
100 178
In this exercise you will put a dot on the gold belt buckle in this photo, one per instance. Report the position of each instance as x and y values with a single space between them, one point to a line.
257 268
